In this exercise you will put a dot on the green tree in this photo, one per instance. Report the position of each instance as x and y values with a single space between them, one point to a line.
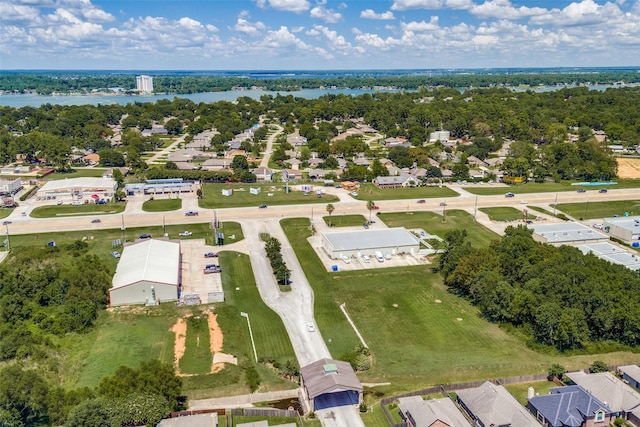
377 169
598 366
23 391
557 370
370 206
173 126
330 209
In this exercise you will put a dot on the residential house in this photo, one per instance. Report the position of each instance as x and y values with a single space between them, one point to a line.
263 173
418 172
492 405
361 161
155 130
296 139
417 412
440 135
394 171
198 420
92 159
623 400
320 173
396 142
570 406
494 162
631 374
216 164
433 163
185 155
292 174
386 163
402 180
474 162
315 162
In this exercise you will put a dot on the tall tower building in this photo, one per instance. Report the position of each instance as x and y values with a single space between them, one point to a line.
144 83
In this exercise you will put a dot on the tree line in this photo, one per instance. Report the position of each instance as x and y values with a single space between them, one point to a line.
557 296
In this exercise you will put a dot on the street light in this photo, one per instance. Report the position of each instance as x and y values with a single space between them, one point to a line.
253 344
6 225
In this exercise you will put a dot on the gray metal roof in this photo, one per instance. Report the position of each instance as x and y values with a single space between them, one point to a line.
200 420
631 370
567 232
371 239
493 404
612 253
607 388
626 222
424 413
151 260
83 183
318 382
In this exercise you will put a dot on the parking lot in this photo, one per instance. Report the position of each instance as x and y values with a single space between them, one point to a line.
194 280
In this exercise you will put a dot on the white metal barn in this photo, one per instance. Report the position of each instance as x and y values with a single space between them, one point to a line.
148 273
388 241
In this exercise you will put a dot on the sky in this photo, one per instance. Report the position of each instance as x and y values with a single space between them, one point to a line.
317 34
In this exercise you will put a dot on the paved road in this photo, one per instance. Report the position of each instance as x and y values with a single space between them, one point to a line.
166 150
267 151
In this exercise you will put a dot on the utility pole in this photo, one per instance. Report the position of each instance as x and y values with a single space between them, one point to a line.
555 204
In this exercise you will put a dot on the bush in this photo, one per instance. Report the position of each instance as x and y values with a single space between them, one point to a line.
556 370
29 193
253 379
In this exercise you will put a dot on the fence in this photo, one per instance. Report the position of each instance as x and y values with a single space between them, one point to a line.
264 412
444 389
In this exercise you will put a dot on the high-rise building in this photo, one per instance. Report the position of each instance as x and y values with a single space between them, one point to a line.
144 83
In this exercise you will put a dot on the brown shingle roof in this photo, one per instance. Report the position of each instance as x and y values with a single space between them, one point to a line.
318 382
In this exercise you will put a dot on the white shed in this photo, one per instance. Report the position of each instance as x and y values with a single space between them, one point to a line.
148 272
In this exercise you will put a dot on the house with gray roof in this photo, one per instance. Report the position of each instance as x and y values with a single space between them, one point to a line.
492 405
417 412
623 400
570 406
631 374
199 420
329 383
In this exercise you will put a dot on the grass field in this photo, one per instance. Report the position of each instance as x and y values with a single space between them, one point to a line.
431 337
369 191
506 213
4 212
547 187
55 211
519 391
197 355
344 220
597 210
162 205
241 197
77 173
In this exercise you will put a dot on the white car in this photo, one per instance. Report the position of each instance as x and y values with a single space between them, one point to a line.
346 259
185 234
310 327
366 258
523 202
598 226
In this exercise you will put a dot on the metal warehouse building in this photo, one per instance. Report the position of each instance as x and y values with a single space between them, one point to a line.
626 228
612 253
76 187
148 273
567 233
388 241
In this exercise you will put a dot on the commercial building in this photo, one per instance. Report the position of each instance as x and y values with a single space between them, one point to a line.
625 228
612 253
330 383
10 186
149 272
567 233
79 187
159 186
144 83
387 241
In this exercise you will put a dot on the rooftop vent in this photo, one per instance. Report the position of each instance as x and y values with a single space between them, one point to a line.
330 368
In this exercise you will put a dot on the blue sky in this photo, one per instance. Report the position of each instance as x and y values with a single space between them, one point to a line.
317 34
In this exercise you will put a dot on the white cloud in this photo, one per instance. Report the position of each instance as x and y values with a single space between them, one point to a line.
334 40
370 14
326 15
586 12
431 4
15 12
503 9
249 28
296 6
421 26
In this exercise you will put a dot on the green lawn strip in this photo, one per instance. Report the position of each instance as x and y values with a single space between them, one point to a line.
376 418
197 355
57 211
599 210
241 197
541 210
479 236
162 205
369 191
269 333
273 421
520 390
77 173
121 337
5 212
506 213
547 187
344 220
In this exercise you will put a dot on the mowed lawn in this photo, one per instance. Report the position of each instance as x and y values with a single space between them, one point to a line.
431 337
344 220
242 197
598 210
369 191
56 211
197 355
506 213
162 205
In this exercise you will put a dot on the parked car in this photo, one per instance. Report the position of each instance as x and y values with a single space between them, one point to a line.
422 201
346 259
115 254
59 202
95 221
191 213
602 190
376 207
523 202
262 206
310 327
185 234
366 258
443 204
581 190
211 255
144 236
365 225
509 195
598 226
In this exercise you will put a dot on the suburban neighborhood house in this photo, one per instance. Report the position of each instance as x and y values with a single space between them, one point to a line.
492 405
328 383
570 406
417 412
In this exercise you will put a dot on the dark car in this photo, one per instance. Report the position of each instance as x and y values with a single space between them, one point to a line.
509 195
211 255
262 206
191 213
602 190
422 201
144 236
95 221
582 190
